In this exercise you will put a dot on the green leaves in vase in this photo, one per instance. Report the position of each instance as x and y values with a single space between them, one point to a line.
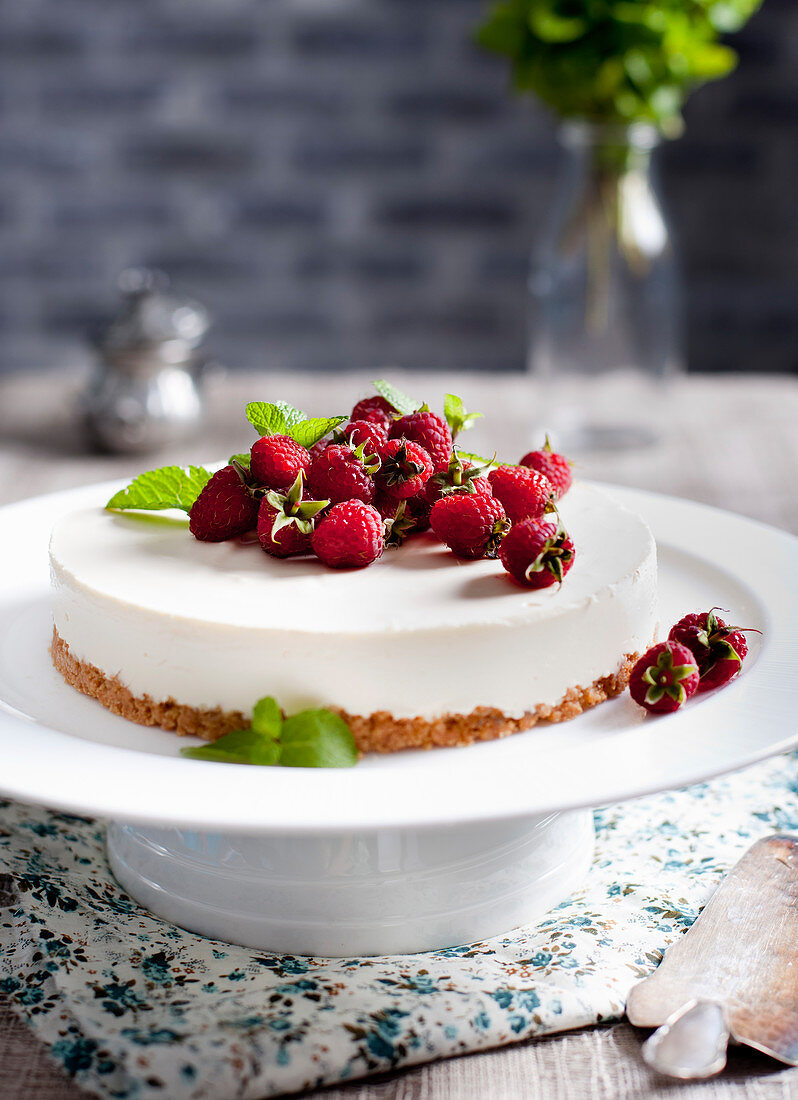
615 61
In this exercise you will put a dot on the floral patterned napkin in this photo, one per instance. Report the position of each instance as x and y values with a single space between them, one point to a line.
136 1008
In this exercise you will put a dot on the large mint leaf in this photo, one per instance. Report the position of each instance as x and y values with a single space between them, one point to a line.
317 739
395 398
292 416
168 487
269 418
238 747
308 432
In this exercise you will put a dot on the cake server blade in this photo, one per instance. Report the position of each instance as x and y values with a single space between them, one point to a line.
741 955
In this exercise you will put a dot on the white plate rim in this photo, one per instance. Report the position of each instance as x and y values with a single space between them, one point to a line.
131 785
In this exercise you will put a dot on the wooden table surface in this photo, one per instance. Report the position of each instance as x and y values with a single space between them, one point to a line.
731 442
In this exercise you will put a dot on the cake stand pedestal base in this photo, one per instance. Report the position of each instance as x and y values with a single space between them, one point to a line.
372 893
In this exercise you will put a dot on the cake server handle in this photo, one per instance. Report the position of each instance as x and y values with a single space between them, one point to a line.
691 1044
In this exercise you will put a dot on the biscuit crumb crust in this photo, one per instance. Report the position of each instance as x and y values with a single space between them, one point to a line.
377 732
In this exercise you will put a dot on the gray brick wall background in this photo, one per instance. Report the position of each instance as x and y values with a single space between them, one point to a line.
346 182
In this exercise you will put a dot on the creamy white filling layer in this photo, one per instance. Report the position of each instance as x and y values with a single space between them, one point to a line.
418 634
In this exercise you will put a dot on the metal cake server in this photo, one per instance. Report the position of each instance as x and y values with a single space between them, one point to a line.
733 975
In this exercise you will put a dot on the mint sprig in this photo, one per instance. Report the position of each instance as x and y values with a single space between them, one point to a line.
315 738
167 487
395 398
279 418
456 416
308 432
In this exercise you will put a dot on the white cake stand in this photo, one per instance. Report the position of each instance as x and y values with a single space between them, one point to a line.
407 852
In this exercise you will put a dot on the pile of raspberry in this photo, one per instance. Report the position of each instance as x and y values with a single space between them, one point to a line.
381 478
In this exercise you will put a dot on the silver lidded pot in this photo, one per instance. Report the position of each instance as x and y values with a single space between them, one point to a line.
146 390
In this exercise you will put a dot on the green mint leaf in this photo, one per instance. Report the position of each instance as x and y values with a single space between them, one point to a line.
308 432
168 487
265 418
292 416
317 739
242 460
273 418
267 718
238 747
395 398
456 416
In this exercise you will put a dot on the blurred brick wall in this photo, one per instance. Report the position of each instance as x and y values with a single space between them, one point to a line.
346 182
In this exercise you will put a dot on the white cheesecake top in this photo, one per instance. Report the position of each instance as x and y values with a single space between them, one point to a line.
158 565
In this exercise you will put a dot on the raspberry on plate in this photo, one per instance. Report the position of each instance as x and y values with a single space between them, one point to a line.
350 536
224 509
429 431
664 677
374 408
471 524
342 472
405 468
719 650
555 467
286 520
275 461
525 493
537 553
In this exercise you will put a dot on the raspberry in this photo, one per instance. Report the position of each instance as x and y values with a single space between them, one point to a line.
342 472
350 536
224 509
286 520
429 431
537 554
370 433
719 650
460 476
276 460
405 468
373 408
525 493
664 677
471 524
554 466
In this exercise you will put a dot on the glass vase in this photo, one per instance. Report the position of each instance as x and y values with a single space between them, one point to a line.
606 319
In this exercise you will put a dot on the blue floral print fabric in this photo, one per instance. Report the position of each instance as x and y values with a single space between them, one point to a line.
136 1009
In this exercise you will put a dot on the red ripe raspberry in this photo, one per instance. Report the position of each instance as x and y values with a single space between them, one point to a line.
460 476
276 460
350 536
664 677
223 510
525 493
370 433
341 473
554 466
373 408
430 431
537 554
286 520
719 650
471 524
405 468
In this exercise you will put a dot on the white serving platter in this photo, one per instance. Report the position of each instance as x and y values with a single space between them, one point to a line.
63 750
